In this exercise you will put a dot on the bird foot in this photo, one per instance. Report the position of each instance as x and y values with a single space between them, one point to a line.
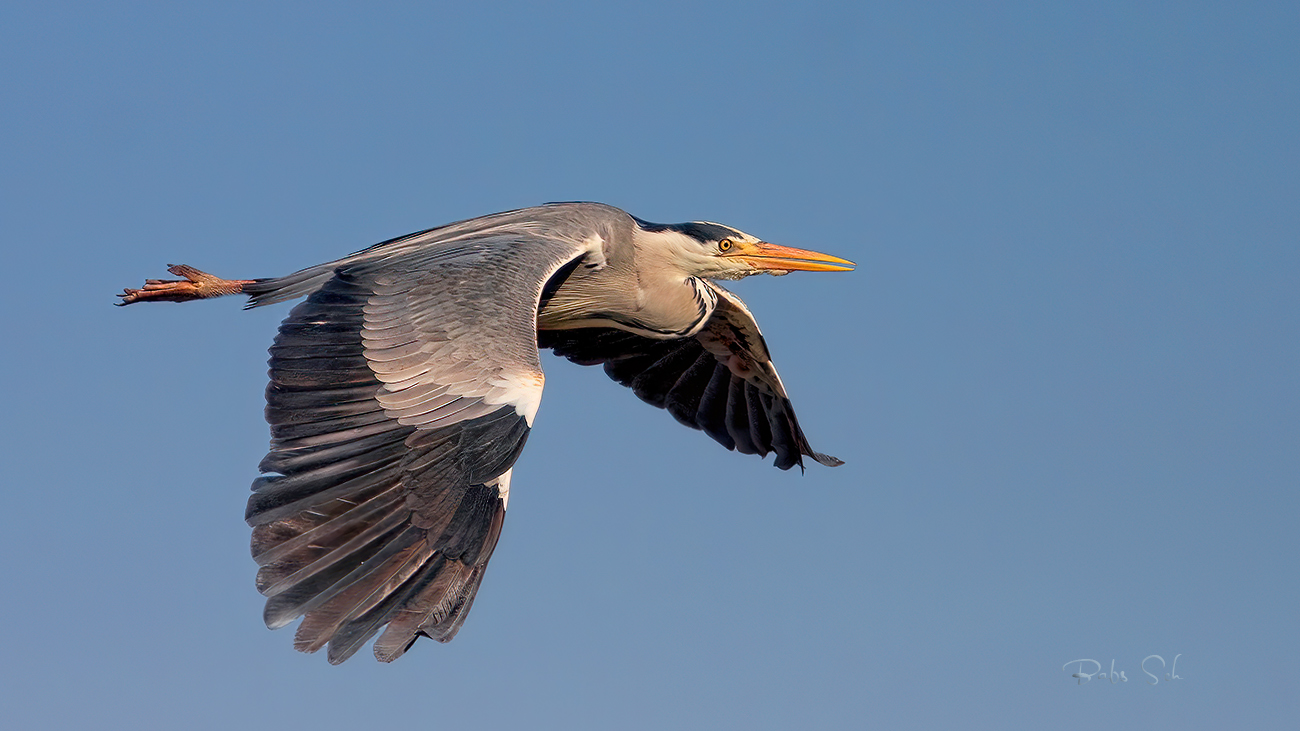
196 285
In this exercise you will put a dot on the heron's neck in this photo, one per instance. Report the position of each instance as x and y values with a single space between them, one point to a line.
640 291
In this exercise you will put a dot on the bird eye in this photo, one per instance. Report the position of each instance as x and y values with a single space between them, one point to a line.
724 245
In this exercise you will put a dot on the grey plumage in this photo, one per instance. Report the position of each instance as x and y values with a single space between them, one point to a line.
403 388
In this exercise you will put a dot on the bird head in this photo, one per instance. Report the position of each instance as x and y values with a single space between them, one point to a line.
715 251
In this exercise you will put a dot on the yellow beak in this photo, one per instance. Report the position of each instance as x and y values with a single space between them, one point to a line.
776 258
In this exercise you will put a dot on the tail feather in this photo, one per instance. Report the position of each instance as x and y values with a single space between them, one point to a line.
293 286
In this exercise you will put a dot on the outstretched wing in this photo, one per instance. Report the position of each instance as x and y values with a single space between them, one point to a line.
401 393
721 380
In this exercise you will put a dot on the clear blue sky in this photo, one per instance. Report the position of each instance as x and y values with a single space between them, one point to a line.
1064 378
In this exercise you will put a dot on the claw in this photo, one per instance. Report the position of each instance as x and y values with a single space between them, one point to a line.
196 285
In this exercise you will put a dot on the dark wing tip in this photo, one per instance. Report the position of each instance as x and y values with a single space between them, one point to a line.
826 459
785 462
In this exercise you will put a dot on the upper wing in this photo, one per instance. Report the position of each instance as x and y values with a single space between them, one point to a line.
401 393
721 380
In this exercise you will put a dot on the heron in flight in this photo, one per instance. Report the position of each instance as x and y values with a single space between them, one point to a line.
404 386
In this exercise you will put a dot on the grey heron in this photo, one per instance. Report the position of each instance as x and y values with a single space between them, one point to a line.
403 388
